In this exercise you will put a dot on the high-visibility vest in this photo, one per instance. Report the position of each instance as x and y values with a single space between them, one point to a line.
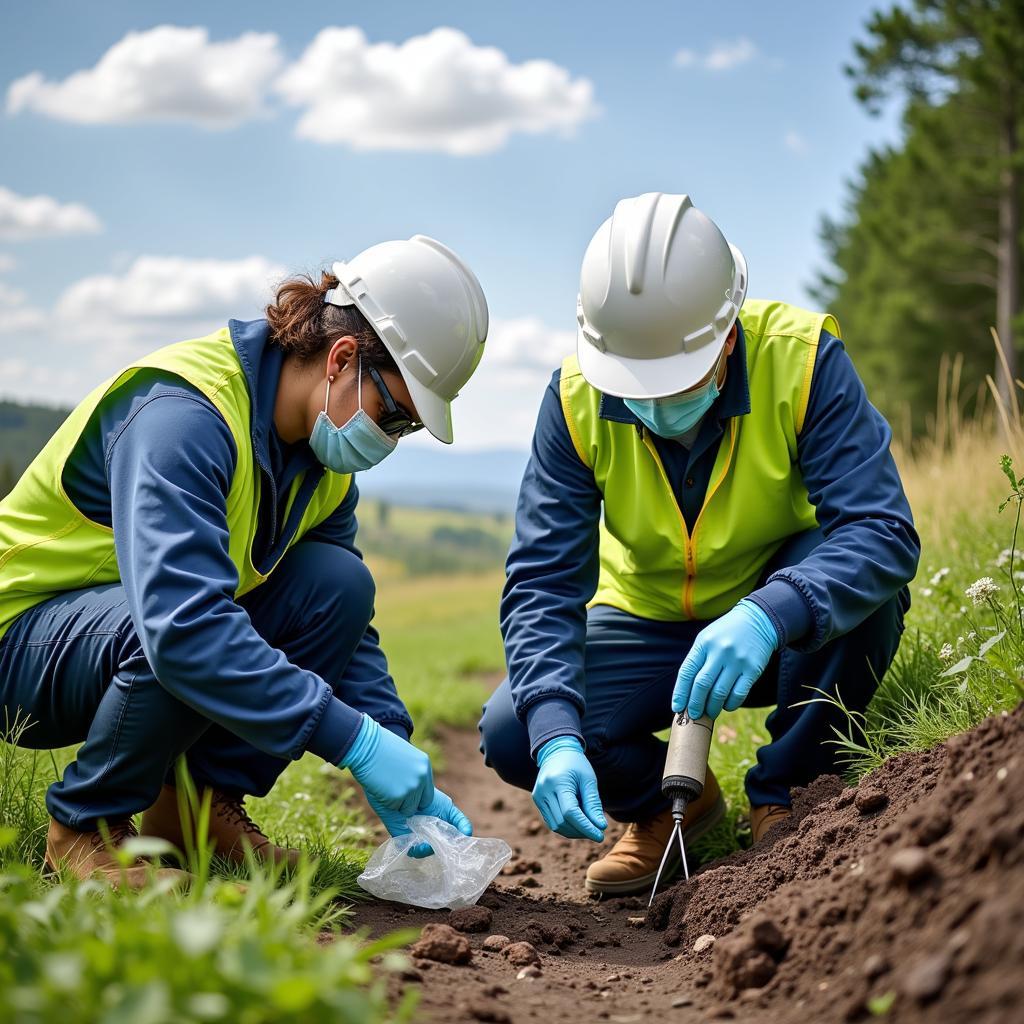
651 564
47 546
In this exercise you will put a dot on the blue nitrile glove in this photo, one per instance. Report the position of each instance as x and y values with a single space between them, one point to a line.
442 806
566 791
725 661
395 775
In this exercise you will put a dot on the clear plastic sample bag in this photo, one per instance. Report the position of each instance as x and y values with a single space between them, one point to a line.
455 876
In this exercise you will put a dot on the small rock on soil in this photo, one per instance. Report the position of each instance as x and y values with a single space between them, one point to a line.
521 954
442 943
471 919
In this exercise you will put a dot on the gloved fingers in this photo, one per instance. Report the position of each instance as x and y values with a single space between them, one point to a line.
691 665
455 817
427 790
420 850
702 686
740 690
720 692
582 825
591 803
548 807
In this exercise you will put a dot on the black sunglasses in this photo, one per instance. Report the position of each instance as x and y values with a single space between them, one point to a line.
395 420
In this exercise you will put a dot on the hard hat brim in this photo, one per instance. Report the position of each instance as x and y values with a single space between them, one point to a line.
646 378
434 412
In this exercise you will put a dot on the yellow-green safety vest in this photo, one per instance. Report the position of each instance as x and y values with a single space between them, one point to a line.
651 564
47 546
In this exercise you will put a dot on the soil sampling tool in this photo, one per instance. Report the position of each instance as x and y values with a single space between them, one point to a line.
686 767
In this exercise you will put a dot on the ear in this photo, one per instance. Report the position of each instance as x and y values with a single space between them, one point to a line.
730 341
340 354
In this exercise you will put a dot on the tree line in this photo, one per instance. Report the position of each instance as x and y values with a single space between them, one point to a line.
926 258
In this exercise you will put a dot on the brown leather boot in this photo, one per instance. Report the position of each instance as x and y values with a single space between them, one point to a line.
763 818
87 855
632 863
231 828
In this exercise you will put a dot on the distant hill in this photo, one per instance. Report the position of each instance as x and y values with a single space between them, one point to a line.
439 477
24 429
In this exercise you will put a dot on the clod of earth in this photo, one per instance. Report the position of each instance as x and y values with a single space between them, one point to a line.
471 919
926 979
496 943
911 865
520 954
870 800
442 943
528 973
703 942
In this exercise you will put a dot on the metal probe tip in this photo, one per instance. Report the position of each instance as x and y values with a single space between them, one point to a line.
677 830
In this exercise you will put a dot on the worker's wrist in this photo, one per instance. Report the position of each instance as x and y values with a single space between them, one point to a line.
363 747
785 605
554 716
761 622
559 743
336 730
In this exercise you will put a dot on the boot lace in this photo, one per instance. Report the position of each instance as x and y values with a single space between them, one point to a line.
234 812
117 832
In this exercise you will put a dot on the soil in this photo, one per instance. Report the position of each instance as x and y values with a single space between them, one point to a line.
902 899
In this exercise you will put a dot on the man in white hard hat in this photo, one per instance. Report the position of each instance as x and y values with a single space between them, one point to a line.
179 572
710 518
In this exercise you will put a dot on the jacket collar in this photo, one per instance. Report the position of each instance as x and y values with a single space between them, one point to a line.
733 401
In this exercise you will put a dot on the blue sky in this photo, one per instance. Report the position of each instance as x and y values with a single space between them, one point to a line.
179 223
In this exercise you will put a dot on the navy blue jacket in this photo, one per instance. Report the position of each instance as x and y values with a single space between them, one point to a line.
870 550
155 464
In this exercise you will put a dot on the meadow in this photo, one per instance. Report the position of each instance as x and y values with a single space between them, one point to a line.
251 952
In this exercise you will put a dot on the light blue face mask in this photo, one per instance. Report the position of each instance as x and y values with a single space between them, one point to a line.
675 415
356 445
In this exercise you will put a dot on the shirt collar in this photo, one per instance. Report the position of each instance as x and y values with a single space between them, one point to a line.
733 401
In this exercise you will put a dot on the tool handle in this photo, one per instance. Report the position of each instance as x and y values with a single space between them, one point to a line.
686 763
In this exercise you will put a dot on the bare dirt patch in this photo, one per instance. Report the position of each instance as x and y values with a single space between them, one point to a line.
902 899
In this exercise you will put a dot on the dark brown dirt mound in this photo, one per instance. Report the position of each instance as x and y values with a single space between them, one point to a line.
903 897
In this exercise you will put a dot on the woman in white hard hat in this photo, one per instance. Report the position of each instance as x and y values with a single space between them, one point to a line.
755 543
178 570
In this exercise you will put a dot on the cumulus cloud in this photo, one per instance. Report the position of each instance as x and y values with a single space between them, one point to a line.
24 217
160 299
723 56
167 73
437 92
16 315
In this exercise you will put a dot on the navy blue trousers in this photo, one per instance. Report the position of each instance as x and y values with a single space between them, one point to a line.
630 667
75 667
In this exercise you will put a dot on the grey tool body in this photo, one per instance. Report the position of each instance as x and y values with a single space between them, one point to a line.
686 764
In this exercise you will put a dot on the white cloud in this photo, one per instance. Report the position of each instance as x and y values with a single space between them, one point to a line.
167 73
7 262
160 299
795 141
23 217
723 56
437 92
16 315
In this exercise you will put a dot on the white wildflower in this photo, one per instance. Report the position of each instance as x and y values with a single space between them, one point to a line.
927 591
939 576
963 609
946 652
959 641
1003 558
982 589
972 636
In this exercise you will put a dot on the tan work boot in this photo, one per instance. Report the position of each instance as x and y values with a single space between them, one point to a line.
87 855
231 828
763 818
632 863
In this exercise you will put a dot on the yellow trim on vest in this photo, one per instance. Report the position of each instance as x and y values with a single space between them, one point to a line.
570 420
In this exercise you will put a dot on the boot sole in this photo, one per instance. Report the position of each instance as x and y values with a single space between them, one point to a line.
643 883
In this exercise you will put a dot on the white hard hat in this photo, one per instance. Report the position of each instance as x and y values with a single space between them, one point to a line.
428 308
659 290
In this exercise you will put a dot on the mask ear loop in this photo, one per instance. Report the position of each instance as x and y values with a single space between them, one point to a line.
327 397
